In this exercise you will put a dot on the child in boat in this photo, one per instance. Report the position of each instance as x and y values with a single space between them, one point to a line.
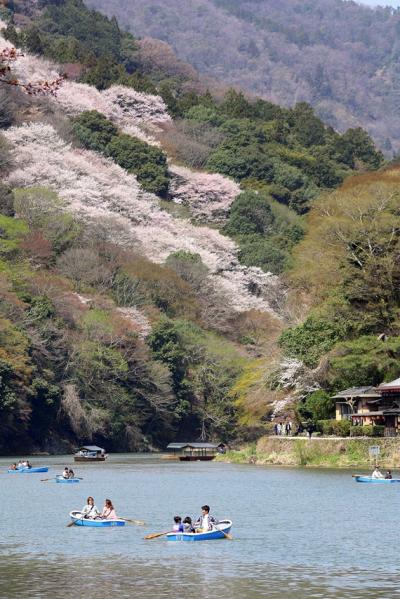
90 510
178 526
388 475
205 522
71 473
13 467
108 512
187 524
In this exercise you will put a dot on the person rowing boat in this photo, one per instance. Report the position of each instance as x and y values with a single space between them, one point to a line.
205 522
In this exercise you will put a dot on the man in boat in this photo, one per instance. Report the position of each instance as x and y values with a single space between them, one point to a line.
377 473
205 522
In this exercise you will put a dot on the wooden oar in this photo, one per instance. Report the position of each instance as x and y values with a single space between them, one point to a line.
137 522
155 535
44 480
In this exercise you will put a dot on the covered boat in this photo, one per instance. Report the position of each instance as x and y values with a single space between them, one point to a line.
223 526
196 452
78 519
369 479
90 453
61 479
30 470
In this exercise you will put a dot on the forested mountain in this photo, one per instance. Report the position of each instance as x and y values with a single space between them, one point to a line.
338 55
156 243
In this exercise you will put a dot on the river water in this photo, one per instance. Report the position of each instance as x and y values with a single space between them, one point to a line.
297 533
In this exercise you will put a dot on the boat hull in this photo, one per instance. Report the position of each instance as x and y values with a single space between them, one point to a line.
369 479
61 479
78 520
212 535
29 470
192 458
79 458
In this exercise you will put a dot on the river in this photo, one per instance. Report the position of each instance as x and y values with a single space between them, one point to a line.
297 533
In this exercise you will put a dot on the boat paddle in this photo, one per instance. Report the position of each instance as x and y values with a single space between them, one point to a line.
155 535
137 522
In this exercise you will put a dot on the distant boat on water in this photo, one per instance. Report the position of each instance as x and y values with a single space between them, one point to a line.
90 453
194 452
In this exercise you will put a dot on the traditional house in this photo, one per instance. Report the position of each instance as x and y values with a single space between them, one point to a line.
371 405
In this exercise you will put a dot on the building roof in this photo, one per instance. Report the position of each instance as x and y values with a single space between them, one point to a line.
366 414
194 445
91 448
392 386
358 392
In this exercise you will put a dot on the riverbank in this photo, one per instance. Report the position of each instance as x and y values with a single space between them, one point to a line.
317 452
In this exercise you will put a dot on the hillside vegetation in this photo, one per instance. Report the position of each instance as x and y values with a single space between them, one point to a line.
337 55
137 300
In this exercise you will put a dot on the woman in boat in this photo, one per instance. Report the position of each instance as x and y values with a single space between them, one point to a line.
90 510
108 512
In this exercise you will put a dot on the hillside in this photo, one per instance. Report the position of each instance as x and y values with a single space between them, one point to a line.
337 55
149 234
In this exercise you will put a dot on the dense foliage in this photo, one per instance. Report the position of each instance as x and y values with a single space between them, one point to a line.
148 163
341 57
349 264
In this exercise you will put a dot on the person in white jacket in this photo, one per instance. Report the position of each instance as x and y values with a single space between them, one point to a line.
377 473
90 510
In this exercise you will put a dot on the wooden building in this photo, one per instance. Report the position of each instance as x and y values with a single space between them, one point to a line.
371 405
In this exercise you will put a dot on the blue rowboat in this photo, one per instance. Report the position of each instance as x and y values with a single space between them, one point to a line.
223 526
29 470
61 479
369 479
79 520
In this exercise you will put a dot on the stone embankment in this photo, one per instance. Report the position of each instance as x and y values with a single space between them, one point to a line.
326 452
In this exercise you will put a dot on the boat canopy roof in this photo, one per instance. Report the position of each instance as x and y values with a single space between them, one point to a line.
91 448
195 445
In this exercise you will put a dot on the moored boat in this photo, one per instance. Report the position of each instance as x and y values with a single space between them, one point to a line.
219 532
30 470
78 519
61 479
369 479
90 453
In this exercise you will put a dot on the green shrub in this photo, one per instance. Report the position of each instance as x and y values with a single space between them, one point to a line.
339 428
368 430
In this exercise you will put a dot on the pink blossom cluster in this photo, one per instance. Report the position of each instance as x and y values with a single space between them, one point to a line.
209 196
97 190
134 112
138 319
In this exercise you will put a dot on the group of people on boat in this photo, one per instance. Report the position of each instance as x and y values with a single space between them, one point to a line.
91 511
68 473
204 523
21 464
378 474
